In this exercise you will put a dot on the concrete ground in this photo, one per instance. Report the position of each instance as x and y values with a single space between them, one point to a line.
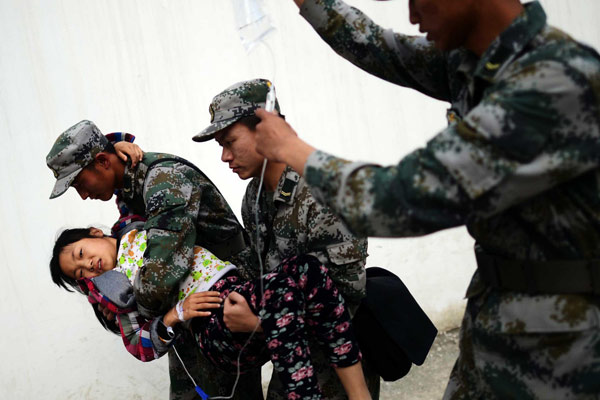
428 381
425 382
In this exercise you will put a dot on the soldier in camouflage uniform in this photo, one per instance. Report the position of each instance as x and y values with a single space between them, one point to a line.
182 208
290 221
518 165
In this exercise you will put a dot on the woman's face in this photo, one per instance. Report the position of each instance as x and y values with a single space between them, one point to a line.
88 257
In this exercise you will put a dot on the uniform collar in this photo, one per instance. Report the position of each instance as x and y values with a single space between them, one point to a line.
510 42
286 187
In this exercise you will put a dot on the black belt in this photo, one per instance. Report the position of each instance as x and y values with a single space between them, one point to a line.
539 277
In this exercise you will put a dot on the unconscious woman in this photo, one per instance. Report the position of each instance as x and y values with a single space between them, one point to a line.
297 299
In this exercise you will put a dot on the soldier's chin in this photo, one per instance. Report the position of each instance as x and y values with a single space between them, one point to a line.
105 197
243 176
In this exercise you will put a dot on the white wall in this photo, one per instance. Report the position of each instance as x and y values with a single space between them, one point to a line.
151 67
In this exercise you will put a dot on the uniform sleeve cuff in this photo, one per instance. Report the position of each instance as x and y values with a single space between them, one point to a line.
160 344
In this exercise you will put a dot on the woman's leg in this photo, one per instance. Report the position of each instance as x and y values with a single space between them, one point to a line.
326 314
300 290
221 346
354 383
282 321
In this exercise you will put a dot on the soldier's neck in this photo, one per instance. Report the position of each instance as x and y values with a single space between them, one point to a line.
119 170
272 174
494 17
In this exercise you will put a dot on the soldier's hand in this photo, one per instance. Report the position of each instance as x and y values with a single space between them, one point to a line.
131 150
237 314
277 141
106 312
198 304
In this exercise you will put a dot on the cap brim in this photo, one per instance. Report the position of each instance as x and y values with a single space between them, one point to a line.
210 132
63 184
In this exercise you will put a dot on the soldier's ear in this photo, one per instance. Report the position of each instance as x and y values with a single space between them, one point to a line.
103 160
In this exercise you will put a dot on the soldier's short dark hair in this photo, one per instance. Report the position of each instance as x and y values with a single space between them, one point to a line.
109 148
250 121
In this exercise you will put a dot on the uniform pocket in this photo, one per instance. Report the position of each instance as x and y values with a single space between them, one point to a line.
344 253
170 217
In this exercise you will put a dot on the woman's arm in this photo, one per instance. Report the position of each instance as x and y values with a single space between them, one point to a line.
131 150
194 306
141 336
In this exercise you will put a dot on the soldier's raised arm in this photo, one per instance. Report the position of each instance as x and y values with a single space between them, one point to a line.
410 61
508 148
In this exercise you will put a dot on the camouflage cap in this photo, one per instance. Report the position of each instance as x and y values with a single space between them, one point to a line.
237 101
73 150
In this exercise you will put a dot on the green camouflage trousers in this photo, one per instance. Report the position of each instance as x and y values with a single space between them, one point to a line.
523 365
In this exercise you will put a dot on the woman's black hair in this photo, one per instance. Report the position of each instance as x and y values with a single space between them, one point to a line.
108 324
67 237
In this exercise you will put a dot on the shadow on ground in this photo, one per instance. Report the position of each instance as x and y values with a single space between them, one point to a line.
428 381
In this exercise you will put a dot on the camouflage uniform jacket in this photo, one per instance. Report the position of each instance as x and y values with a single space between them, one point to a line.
300 225
518 163
182 208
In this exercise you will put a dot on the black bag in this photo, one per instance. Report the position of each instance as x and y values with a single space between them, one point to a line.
392 330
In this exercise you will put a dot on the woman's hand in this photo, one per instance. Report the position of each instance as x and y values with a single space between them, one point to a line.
238 316
195 305
133 151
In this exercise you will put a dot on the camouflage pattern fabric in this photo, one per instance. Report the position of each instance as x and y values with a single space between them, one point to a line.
183 208
302 226
237 101
73 150
518 165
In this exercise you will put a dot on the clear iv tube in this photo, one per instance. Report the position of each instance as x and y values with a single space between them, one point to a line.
269 106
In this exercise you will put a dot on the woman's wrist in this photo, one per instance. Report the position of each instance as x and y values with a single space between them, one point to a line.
170 318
